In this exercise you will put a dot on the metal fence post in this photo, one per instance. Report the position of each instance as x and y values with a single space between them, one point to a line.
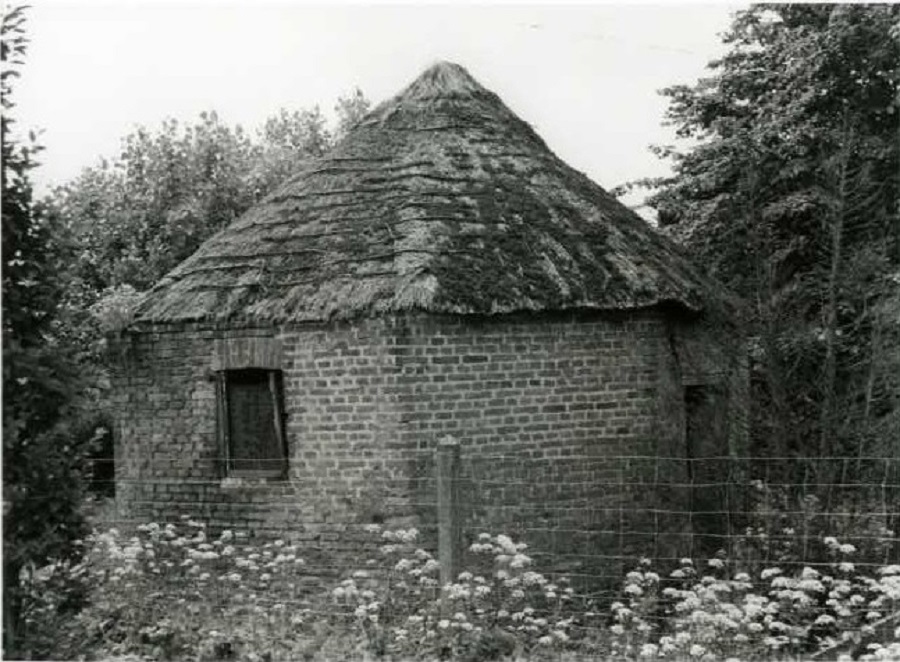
449 531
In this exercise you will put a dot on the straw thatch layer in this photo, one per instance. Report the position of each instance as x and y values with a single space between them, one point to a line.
440 200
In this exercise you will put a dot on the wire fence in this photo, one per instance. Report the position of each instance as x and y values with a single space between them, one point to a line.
596 529
585 515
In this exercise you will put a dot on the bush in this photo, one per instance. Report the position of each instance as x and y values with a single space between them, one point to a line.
397 608
173 592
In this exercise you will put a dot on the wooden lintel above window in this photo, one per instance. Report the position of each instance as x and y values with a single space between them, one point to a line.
241 353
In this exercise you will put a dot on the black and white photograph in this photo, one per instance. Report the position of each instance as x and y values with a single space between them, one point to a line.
421 331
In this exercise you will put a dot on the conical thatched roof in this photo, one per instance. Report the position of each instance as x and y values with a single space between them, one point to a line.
440 200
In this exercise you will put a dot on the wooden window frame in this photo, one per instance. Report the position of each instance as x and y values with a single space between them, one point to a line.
223 432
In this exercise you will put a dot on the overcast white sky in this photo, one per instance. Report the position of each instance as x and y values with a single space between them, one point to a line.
585 76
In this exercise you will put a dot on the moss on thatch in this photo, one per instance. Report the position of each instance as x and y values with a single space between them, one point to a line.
440 200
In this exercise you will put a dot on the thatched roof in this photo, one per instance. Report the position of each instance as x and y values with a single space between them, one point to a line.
440 200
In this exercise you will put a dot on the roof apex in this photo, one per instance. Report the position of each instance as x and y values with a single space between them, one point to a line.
443 79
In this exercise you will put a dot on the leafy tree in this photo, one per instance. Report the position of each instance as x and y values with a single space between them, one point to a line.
790 196
136 216
350 109
42 464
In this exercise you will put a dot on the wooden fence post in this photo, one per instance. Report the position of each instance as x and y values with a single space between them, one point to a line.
449 530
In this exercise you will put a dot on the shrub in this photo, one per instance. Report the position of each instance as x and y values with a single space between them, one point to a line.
171 591
174 592
398 607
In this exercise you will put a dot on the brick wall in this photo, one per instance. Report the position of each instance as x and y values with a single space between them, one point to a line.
538 405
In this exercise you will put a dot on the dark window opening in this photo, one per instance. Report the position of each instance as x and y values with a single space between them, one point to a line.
251 425
101 459
705 439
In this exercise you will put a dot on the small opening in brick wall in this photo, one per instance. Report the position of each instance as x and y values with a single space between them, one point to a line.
251 425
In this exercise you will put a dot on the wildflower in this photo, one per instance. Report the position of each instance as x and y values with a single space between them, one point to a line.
519 561
718 564
443 624
697 650
649 650
546 640
666 644
506 544
234 577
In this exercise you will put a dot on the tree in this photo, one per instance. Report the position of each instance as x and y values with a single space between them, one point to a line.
790 196
43 467
138 215
350 110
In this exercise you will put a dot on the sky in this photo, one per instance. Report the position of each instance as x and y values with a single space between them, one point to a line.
585 76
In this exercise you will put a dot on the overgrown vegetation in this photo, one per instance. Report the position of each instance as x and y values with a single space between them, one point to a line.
173 592
789 195
44 392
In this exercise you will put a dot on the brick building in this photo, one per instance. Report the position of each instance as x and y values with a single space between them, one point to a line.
439 272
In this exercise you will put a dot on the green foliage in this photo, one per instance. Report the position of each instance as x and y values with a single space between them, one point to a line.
789 196
43 445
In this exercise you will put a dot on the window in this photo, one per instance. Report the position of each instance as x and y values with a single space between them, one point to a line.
705 415
251 422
